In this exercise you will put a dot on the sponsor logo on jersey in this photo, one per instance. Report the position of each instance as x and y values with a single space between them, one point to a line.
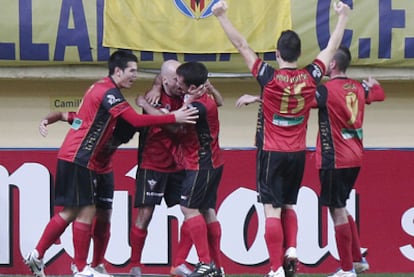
352 133
316 72
112 100
287 121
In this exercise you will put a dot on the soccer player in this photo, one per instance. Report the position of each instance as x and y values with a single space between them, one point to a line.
339 151
78 163
285 102
203 164
159 165
123 132
213 227
158 175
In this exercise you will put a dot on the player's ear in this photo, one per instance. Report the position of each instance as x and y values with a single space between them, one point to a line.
117 71
277 54
332 64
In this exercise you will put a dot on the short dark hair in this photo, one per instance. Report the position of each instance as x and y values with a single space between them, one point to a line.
193 73
342 58
120 58
289 46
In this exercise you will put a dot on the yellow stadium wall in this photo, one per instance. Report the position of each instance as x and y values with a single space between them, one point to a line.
25 101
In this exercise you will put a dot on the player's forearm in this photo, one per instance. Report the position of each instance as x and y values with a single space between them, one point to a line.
149 109
376 94
238 41
338 33
143 120
53 117
216 95
334 42
232 33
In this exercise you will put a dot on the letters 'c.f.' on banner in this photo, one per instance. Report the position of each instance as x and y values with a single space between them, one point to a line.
188 26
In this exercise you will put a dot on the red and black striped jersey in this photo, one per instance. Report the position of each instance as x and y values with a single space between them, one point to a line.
91 130
158 146
200 147
287 96
341 103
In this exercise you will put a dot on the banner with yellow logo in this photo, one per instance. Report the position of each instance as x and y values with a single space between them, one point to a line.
188 26
75 32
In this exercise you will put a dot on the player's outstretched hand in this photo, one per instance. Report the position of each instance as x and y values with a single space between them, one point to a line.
195 93
370 82
198 91
247 99
186 114
43 127
153 96
219 8
208 86
141 101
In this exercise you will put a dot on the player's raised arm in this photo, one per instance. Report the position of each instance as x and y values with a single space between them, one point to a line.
219 10
342 10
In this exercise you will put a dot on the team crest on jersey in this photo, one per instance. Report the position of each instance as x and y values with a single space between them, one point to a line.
196 9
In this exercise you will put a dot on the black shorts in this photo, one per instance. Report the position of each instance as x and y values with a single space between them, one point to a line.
152 186
105 190
199 189
336 185
75 185
279 176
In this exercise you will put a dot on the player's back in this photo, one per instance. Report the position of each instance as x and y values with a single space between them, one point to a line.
340 139
200 143
287 98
